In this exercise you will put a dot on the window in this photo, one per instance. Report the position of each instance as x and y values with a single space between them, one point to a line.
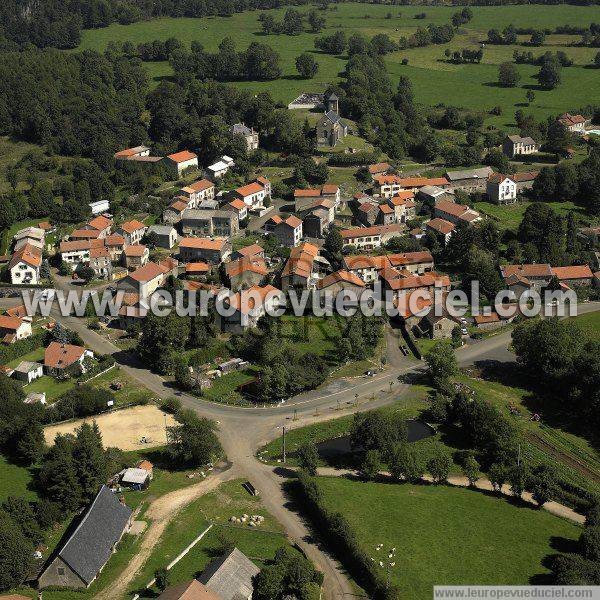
60 570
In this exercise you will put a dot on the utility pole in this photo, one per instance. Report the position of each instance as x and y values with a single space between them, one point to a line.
283 436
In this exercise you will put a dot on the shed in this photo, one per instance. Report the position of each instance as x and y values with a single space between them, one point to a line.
135 478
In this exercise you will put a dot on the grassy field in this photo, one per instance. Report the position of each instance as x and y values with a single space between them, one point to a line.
230 499
446 535
590 322
15 481
434 79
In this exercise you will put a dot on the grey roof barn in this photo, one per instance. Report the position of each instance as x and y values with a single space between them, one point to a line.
79 560
230 576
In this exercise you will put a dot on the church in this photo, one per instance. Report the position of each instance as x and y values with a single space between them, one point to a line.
330 127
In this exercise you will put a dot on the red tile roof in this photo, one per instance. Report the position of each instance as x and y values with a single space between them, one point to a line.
200 185
574 272
100 223
137 250
28 254
8 322
441 226
370 231
251 250
381 167
148 272
85 234
340 276
251 264
203 243
244 300
197 267
292 221
251 188
531 270
60 356
131 226
182 156
237 204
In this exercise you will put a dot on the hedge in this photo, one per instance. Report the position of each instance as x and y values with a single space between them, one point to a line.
21 347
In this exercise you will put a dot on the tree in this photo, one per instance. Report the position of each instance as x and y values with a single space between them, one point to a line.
316 21
439 467
471 469
161 577
530 95
441 364
86 273
508 75
597 60
406 462
15 554
370 464
306 65
543 483
193 441
334 242
292 22
498 475
590 543
549 75
538 37
375 430
518 477
90 460
181 371
543 228
308 458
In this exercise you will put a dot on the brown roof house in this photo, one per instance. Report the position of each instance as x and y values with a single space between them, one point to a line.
76 563
132 231
210 250
246 272
189 590
248 306
301 269
65 359
145 280
289 232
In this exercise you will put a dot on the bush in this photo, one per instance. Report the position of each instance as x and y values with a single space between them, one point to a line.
171 405
439 467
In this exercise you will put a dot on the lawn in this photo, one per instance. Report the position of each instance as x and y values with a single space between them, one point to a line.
230 499
590 322
471 86
445 535
15 480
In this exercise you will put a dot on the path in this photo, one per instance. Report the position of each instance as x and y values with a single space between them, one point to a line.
160 513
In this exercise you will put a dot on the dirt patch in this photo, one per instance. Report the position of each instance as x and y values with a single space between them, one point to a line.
123 429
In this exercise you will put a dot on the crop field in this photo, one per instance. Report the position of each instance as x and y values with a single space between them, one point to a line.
435 79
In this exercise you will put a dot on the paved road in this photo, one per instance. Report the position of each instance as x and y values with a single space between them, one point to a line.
243 430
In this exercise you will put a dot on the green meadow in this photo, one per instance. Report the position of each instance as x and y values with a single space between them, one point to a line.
435 80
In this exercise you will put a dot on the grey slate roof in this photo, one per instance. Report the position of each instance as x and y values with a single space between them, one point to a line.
482 173
332 96
333 116
25 366
90 546
524 140
241 129
230 576
160 229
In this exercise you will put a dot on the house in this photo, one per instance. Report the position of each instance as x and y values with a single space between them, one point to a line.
379 168
520 278
85 234
368 238
129 153
442 228
414 184
369 267
197 269
248 306
100 223
412 307
100 262
24 265
330 127
231 576
196 192
367 213
34 236
253 194
115 244
501 189
386 185
305 199
469 180
489 322
136 256
339 281
574 276
219 168
301 269
524 179
13 329
210 250
179 162
219 223
402 281
28 371
573 123
246 272
248 134
515 145
438 326
147 466
404 206
316 223
65 359
456 213
271 223
251 251
430 194
74 252
289 232
145 280
239 207
135 478
174 212
77 563
132 231
99 207
166 235
189 590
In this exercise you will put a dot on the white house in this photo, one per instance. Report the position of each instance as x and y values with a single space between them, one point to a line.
248 134
99 207
501 189
253 194
24 265
132 231
218 169
200 190
289 232
28 371
573 123
13 329
515 145
180 161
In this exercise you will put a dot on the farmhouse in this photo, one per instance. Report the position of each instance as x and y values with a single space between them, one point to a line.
132 231
289 232
573 123
196 192
178 162
166 235
231 576
573 276
524 179
303 267
248 134
469 180
210 250
368 238
515 145
456 213
13 329
24 265
64 359
248 307
308 198
501 189
444 229
519 278
80 559
221 223
145 280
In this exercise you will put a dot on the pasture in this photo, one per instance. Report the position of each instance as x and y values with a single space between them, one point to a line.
435 80
445 535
